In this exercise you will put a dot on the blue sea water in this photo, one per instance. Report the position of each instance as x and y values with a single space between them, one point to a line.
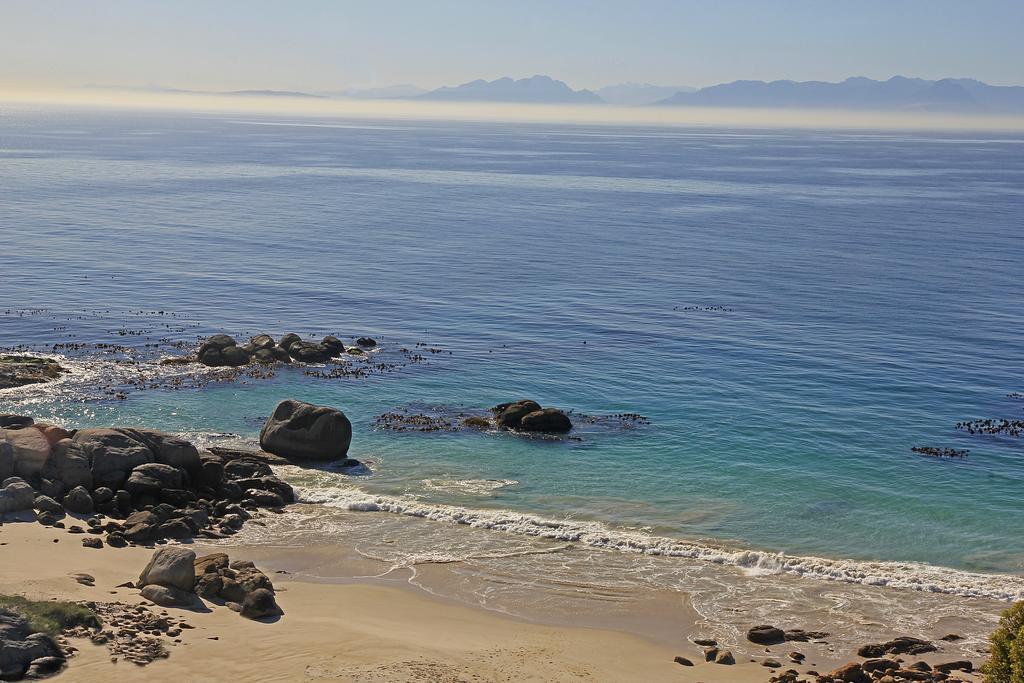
793 310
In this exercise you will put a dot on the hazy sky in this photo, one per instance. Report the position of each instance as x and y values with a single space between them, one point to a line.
331 44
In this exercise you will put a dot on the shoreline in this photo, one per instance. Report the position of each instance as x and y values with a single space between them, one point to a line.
343 632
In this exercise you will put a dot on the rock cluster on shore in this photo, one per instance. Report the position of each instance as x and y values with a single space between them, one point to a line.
25 653
222 350
140 486
529 416
175 577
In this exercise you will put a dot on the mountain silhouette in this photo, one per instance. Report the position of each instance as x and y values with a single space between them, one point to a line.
630 94
899 93
536 89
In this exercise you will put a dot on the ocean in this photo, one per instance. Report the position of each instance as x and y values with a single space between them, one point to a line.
791 311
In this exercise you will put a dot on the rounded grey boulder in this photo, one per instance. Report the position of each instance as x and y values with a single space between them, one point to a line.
172 567
306 432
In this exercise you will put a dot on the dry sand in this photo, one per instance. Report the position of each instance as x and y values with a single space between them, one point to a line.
333 632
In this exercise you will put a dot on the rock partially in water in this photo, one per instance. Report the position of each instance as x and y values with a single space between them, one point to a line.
306 432
18 371
546 420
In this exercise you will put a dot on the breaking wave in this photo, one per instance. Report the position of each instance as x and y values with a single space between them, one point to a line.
903 575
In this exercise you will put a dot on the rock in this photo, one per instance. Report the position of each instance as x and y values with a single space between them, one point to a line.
69 465
16 495
112 454
44 667
683 661
78 501
706 642
168 449
17 371
304 431
850 673
220 341
6 460
766 635
959 665
168 596
9 421
367 342
234 356
262 341
211 473
333 345
265 499
150 478
246 468
509 415
212 563
771 663
879 664
289 339
102 495
724 657
209 586
309 352
547 420
47 504
172 567
116 539
259 604
802 636
903 645
53 433
92 542
29 450
176 529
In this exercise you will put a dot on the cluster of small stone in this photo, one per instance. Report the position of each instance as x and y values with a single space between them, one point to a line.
883 662
133 633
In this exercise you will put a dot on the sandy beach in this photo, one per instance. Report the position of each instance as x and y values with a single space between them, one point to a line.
332 632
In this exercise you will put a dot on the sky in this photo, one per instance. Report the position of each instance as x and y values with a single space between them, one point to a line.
321 45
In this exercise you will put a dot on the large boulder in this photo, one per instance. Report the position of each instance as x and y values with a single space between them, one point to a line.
11 421
30 450
305 431
547 420
333 345
6 460
509 415
173 567
766 635
289 339
112 453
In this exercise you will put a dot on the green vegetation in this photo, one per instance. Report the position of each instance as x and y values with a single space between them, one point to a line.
1007 662
50 616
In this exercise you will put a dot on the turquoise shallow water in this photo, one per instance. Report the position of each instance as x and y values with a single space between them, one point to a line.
792 310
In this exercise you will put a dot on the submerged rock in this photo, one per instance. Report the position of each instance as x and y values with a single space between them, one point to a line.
18 371
305 431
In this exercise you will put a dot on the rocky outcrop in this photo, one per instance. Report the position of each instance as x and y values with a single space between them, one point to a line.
24 654
902 645
17 371
222 350
529 416
766 635
159 485
306 432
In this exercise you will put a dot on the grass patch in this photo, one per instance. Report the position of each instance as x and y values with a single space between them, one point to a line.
50 616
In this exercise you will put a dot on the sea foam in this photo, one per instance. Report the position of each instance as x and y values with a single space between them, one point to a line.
903 575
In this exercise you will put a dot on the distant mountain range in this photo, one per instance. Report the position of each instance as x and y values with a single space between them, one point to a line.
897 93
536 89
955 95
633 94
